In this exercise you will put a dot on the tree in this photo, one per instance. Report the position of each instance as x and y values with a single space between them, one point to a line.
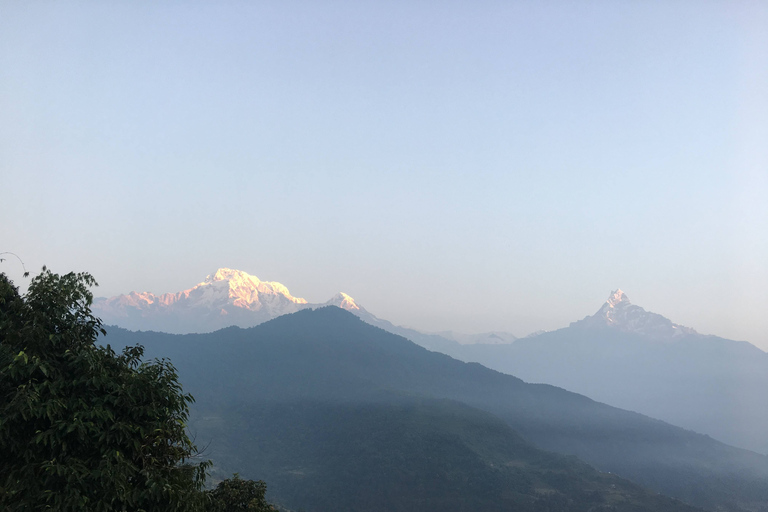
238 495
83 428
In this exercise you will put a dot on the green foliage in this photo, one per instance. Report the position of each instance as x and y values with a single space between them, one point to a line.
238 495
81 427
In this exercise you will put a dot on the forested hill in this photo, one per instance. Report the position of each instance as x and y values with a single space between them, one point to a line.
328 360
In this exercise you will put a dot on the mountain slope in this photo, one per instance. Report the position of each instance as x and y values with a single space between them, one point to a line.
329 355
399 453
621 355
637 360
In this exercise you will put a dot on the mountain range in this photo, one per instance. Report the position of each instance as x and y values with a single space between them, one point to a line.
637 360
622 355
339 415
225 298
231 297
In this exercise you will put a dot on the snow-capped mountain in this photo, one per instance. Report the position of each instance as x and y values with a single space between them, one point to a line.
226 297
619 313
235 298
613 356
631 358
343 301
225 287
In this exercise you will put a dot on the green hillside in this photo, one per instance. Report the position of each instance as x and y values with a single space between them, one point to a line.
401 454
329 356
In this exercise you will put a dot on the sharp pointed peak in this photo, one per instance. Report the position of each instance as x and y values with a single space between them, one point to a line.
343 301
618 312
617 296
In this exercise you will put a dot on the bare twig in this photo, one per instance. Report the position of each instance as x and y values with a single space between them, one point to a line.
26 272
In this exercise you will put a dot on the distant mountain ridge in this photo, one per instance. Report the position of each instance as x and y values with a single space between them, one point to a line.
490 338
225 298
631 358
622 355
224 287
327 356
230 297
619 313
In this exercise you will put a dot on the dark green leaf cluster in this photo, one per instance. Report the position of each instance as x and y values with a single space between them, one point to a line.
238 495
81 427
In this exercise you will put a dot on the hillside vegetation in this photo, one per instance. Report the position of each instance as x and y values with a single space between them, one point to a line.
329 356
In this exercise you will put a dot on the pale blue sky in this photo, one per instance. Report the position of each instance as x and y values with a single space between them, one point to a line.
451 165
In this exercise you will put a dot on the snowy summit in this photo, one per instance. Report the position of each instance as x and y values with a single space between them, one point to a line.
619 313
244 290
226 297
343 301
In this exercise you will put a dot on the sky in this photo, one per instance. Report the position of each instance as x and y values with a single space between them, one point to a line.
473 166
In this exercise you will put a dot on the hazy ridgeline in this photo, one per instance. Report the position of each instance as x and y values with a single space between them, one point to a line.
304 400
622 355
637 360
703 383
